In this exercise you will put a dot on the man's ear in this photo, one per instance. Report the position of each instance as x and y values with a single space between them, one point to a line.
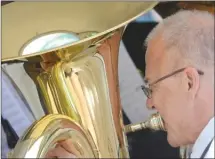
192 80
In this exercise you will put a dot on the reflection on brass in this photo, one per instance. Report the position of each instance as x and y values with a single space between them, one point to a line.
76 81
42 135
155 122
183 152
78 148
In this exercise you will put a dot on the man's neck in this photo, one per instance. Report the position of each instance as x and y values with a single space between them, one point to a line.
205 137
202 114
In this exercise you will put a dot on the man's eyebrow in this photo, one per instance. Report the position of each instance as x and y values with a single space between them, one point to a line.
146 80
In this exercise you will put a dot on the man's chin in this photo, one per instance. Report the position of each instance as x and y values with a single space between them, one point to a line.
172 142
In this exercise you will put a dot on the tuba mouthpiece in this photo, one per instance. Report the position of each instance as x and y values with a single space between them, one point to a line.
155 122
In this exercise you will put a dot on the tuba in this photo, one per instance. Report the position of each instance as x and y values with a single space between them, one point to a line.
69 52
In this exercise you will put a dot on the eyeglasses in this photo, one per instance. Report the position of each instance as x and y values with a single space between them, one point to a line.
148 91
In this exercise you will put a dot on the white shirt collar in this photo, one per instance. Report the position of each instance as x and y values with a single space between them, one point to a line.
203 140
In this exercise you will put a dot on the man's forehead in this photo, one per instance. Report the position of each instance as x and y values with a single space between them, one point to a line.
153 60
154 50
150 75
149 71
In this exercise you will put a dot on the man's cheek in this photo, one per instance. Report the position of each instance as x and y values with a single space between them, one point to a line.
161 101
160 105
165 106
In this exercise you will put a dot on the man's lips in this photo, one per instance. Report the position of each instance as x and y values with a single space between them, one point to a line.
164 124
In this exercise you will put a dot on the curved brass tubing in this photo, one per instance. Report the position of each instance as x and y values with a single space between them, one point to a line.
70 81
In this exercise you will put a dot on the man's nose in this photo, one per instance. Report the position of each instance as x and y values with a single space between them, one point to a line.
149 104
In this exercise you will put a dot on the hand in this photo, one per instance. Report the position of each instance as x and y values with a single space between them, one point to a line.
64 149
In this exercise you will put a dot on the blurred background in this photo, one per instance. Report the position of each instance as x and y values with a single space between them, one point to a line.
142 144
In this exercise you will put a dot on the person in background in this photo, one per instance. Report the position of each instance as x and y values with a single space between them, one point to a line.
179 80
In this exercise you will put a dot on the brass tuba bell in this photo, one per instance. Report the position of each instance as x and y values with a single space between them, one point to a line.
70 52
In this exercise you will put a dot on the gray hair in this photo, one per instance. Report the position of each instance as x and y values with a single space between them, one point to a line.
191 33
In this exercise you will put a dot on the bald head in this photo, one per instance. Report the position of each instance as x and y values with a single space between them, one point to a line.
189 34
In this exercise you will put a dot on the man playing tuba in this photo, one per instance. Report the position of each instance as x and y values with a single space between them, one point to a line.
179 82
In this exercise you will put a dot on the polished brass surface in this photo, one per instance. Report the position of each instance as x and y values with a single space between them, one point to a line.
155 123
23 22
75 78
184 152
47 132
